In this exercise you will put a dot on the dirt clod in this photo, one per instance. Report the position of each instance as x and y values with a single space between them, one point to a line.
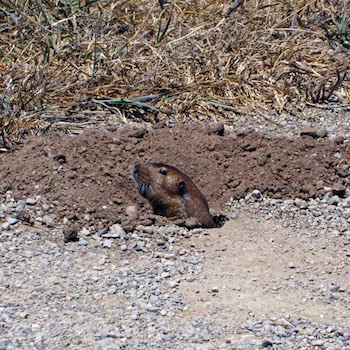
24 216
70 233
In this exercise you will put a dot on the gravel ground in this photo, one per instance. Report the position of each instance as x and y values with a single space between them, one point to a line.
137 290
117 290
334 120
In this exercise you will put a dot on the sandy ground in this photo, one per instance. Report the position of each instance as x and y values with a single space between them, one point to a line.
261 268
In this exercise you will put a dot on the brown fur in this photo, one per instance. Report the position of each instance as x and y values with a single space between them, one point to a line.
172 193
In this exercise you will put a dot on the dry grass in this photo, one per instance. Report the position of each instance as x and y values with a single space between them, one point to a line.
191 59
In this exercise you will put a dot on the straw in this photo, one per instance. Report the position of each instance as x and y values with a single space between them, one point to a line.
209 60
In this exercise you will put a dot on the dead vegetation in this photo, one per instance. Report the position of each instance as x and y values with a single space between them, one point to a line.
146 60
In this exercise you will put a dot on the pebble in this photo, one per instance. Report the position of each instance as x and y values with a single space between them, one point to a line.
115 231
112 290
173 284
152 308
31 201
5 225
334 200
29 254
84 232
266 344
107 243
48 220
346 202
132 212
123 247
234 214
12 221
45 207
317 342
83 242
314 132
302 204
102 231
291 265
255 195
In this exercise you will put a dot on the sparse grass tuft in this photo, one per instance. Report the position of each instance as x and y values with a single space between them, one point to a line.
203 59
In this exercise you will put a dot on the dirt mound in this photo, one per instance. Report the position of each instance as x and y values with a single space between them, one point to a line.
90 173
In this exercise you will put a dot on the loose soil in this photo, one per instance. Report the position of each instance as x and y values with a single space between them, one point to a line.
90 173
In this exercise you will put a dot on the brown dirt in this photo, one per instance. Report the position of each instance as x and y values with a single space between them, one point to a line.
91 172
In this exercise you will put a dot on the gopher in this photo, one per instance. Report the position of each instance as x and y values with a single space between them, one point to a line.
172 193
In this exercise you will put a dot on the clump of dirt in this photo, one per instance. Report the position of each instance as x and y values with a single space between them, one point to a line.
90 173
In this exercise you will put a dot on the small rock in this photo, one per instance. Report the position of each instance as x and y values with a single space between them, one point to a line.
234 214
5 226
334 200
140 245
146 229
123 247
302 204
97 296
318 342
132 212
102 261
60 158
31 201
214 289
346 202
12 221
338 140
337 155
115 231
29 254
216 129
83 242
45 207
48 220
112 290
70 234
138 133
319 185
266 343
173 284
322 132
4 208
314 133
187 234
256 195
191 223
84 232
102 231
152 308
21 204
23 315
107 243
24 216
291 265
339 190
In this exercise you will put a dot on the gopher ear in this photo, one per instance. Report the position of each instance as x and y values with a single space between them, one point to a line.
181 186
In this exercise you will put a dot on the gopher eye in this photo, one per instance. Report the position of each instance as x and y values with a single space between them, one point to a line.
163 171
182 187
